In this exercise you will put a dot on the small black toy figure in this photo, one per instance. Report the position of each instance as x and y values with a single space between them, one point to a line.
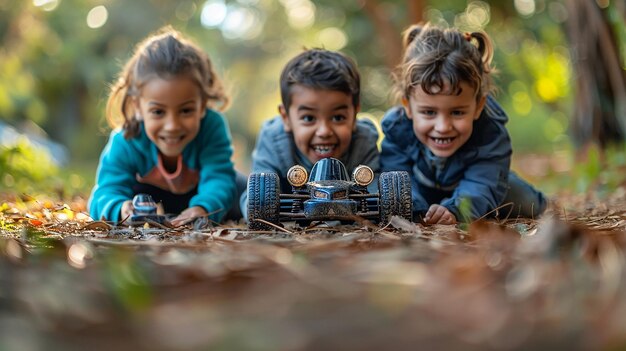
145 210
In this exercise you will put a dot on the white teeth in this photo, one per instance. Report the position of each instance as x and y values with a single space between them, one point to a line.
324 149
442 141
171 140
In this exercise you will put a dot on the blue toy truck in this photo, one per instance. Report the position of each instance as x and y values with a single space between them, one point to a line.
328 193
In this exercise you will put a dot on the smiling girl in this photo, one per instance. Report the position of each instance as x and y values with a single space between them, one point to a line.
450 134
167 141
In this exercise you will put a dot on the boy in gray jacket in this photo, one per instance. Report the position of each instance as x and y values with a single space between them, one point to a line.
320 92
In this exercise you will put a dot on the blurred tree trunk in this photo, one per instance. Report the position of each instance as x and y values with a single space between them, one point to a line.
599 115
388 32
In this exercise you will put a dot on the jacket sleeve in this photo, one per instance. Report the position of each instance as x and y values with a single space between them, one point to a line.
367 145
217 187
114 179
481 190
393 155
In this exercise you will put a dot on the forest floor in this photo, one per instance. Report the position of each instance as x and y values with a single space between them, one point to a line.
558 282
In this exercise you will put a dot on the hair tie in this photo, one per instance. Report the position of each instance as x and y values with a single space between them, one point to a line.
468 36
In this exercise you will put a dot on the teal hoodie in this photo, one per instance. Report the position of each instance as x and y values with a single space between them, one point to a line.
206 168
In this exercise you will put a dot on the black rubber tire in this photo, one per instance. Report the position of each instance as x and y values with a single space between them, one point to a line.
263 200
395 196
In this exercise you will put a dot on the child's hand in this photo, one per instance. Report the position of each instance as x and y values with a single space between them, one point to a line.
189 215
438 214
127 209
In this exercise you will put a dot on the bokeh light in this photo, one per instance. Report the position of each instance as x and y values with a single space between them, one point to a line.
46 5
478 14
97 17
332 38
525 8
213 13
553 128
78 254
557 12
522 103
241 23
185 10
300 13
435 16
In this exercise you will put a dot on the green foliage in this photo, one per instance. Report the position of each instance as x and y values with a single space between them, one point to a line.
465 209
599 171
127 280
25 168
588 172
39 239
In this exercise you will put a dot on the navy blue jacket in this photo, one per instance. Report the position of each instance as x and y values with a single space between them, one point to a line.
478 171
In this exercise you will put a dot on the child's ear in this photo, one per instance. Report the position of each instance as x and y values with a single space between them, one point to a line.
480 106
136 113
204 107
285 116
357 109
407 107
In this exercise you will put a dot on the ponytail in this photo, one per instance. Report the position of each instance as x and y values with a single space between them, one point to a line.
485 48
410 34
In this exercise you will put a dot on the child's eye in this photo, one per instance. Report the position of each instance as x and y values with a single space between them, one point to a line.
187 110
428 113
458 113
307 118
339 118
157 113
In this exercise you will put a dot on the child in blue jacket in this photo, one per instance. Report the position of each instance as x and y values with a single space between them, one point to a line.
168 141
450 134
320 92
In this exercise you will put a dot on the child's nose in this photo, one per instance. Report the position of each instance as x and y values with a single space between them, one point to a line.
324 129
443 124
172 123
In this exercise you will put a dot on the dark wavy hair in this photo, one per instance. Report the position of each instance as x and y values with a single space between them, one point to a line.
321 69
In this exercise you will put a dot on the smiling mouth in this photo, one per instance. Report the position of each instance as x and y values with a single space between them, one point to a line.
442 141
323 150
172 140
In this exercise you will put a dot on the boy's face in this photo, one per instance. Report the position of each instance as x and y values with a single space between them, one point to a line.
322 121
444 122
171 111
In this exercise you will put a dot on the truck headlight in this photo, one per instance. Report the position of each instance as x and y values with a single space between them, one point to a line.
297 176
320 194
363 175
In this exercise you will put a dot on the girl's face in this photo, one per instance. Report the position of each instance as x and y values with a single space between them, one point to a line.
444 122
322 121
171 110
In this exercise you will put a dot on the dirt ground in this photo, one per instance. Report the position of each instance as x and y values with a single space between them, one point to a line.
558 282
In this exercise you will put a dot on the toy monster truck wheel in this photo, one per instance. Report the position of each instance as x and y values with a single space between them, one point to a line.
263 200
395 196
